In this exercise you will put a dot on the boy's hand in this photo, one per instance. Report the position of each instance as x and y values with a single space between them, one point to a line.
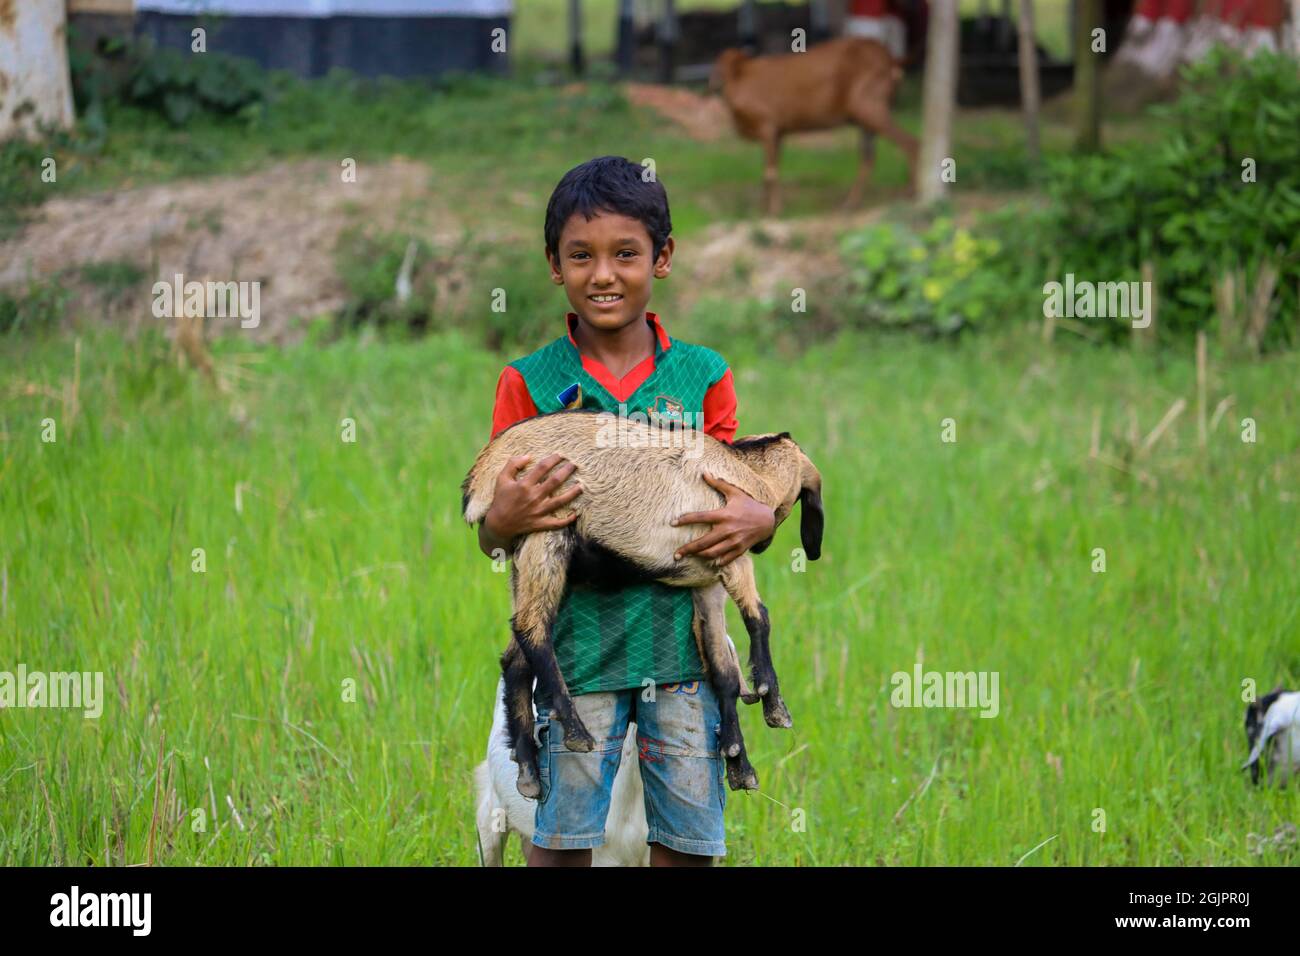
737 526
523 504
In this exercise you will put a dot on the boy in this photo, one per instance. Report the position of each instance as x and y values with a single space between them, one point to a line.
608 232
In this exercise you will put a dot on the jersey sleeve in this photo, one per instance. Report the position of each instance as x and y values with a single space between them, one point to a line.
513 403
720 409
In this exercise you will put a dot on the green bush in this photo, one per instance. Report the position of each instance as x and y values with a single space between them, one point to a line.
1186 204
39 307
181 87
941 279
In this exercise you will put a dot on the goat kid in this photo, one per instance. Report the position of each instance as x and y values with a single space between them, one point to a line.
850 80
635 481
502 810
1273 732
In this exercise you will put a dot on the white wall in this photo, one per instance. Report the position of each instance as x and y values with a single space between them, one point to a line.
325 8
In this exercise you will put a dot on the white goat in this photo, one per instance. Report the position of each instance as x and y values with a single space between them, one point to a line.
502 810
1273 730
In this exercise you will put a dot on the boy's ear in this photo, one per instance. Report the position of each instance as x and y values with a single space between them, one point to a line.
664 264
556 275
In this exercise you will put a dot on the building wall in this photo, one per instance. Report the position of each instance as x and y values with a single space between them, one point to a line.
311 37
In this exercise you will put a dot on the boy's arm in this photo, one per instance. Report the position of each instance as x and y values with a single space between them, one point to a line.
522 504
742 523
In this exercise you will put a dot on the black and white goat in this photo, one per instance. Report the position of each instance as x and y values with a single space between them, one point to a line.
1273 735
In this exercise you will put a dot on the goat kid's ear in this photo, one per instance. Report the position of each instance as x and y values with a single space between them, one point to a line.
811 520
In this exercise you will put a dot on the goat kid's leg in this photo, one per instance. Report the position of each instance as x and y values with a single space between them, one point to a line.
724 675
876 116
538 578
866 164
738 579
771 159
520 727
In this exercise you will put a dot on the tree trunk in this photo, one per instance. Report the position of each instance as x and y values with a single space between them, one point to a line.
939 96
1087 99
1029 92
35 89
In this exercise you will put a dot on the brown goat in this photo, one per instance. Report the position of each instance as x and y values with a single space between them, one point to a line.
843 81
636 479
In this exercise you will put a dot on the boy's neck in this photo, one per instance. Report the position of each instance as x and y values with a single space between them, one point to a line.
619 350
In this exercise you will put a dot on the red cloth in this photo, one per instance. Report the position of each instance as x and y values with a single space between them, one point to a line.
1237 13
514 404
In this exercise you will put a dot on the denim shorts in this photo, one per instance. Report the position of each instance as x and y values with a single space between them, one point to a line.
681 768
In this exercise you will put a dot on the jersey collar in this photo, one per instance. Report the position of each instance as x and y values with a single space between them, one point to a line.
661 337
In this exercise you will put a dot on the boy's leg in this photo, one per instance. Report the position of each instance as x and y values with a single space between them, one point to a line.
570 816
682 773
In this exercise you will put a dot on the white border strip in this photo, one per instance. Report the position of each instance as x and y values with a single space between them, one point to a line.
328 8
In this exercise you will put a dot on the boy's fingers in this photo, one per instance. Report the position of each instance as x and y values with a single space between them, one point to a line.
545 465
517 464
721 552
547 524
557 477
564 497
726 487
699 544
698 517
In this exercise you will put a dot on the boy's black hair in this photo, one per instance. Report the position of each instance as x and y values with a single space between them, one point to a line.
609 184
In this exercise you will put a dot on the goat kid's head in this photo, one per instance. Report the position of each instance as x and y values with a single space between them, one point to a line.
1255 712
792 477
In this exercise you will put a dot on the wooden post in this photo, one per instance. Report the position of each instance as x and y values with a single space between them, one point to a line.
747 23
940 91
820 21
666 34
1029 91
1087 76
1201 432
626 37
575 38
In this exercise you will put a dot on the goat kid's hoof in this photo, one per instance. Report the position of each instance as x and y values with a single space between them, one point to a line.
578 740
741 776
750 698
527 783
775 713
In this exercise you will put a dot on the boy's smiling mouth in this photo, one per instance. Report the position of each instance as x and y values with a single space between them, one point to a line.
605 299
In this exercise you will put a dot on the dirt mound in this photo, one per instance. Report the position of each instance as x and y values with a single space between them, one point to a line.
766 259
704 118
278 226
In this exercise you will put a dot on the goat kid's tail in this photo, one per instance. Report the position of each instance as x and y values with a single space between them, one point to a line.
477 489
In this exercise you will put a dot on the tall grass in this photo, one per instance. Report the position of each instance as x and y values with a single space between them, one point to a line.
343 562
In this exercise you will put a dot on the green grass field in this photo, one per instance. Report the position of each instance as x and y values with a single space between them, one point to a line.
1120 691
329 562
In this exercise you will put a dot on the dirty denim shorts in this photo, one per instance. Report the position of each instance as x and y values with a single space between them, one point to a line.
681 769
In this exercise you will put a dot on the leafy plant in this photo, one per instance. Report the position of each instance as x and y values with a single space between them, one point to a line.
1218 198
181 86
941 279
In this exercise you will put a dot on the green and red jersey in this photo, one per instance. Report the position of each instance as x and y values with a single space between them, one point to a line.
612 640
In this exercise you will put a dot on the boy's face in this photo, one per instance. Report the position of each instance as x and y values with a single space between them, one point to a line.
606 266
